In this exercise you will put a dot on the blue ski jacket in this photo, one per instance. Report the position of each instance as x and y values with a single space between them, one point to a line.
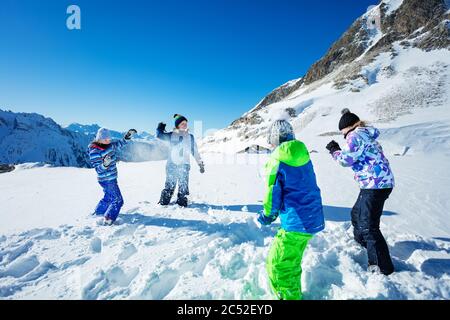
292 191
96 155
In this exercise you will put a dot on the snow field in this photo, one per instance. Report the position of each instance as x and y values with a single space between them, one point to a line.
213 249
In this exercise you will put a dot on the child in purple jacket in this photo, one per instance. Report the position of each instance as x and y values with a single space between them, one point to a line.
373 173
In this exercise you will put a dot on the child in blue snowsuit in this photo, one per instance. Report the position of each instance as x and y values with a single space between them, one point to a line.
102 155
182 145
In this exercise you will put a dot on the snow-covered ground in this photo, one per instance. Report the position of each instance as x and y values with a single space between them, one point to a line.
51 248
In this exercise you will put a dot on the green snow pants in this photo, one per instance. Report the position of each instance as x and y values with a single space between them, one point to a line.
284 264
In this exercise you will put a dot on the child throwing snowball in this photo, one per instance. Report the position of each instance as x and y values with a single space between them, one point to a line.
102 154
374 175
293 195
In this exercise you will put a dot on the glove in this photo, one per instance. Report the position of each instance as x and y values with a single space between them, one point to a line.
202 167
130 133
107 161
264 220
161 127
333 146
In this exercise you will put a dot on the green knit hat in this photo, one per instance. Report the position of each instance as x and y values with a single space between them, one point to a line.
178 119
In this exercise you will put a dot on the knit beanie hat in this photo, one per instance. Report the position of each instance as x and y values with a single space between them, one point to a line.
178 119
103 134
348 119
280 131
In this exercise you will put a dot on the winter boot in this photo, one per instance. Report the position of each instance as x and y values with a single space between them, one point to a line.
182 202
166 195
108 222
374 269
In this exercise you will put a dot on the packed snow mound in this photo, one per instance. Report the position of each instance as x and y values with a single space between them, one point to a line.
53 249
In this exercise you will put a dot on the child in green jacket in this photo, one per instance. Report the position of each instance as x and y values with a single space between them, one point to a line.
293 195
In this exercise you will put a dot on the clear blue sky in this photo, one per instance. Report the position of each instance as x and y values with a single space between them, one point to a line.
137 62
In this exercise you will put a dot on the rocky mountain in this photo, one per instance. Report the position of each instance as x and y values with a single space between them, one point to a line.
30 137
392 60
417 23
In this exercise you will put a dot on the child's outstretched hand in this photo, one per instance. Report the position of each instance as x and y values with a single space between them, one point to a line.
130 133
264 220
161 127
202 167
333 146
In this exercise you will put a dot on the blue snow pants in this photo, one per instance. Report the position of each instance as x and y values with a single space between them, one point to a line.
112 201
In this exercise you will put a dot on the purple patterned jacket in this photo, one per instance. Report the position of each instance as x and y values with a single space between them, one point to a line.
365 155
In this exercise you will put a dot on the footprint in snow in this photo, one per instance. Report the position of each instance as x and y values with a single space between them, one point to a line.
105 282
126 230
20 267
8 256
42 234
74 263
160 285
128 249
96 245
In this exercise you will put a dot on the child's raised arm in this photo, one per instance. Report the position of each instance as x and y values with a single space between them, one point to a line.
161 132
120 143
350 153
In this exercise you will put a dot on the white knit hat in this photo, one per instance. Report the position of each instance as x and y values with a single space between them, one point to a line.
280 131
103 134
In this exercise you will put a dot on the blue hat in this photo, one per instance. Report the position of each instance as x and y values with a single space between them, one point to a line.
179 119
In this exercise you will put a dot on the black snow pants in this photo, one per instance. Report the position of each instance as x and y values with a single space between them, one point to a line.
366 215
176 174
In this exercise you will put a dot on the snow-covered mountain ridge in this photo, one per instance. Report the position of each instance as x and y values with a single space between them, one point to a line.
391 67
30 137
91 130
33 138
